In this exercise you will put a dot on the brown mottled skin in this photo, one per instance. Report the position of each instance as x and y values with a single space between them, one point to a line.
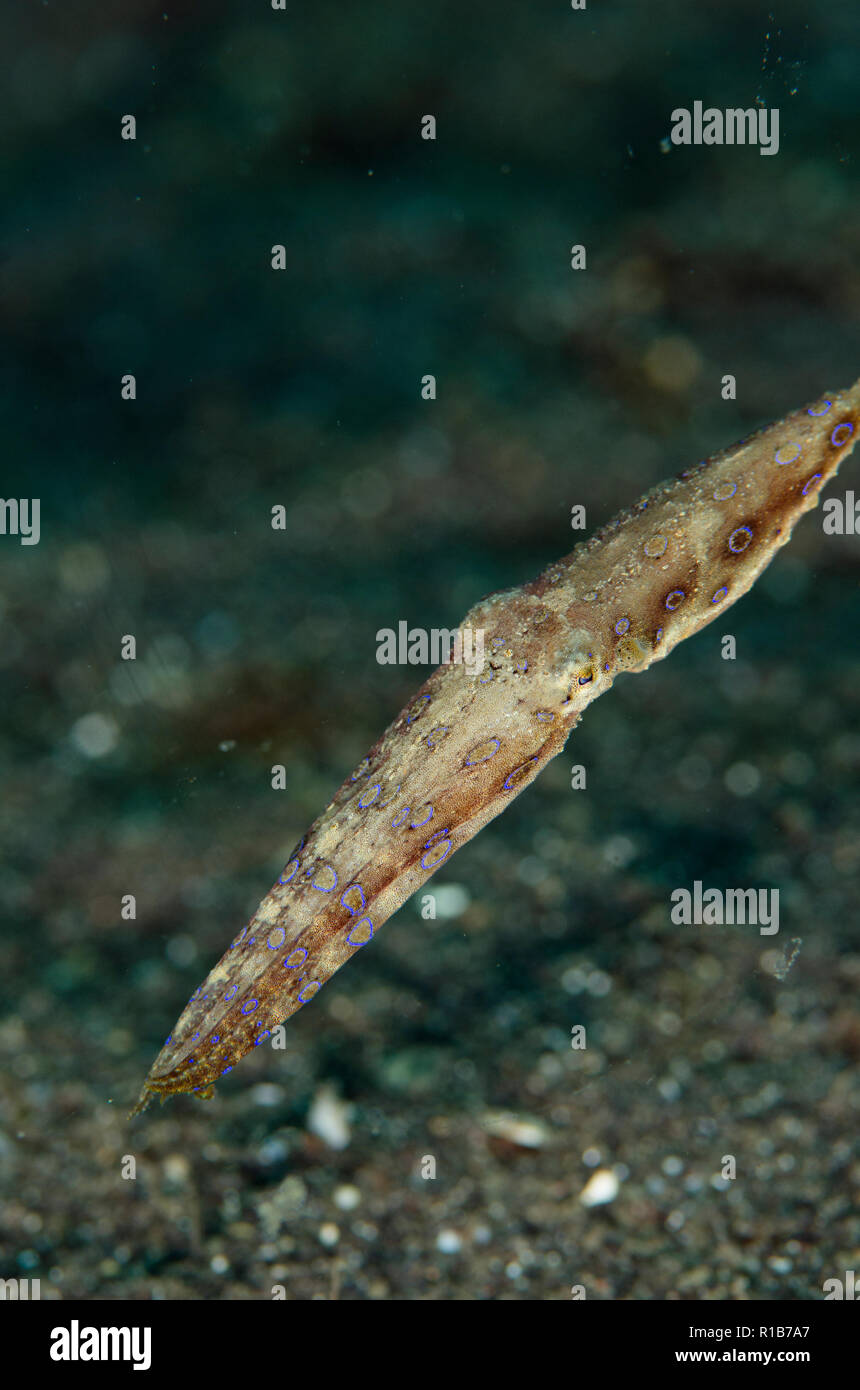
468 742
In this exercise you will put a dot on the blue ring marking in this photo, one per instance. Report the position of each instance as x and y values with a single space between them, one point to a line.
678 595
238 940
440 729
720 595
251 1005
225 1071
838 443
215 1040
720 494
473 762
827 405
416 825
485 680
498 642
659 636
287 878
659 545
507 786
423 699
354 927
280 943
319 887
383 804
808 485
196 1036
168 1040
353 910
740 531
585 680
360 771
523 666
545 714
436 862
783 462
401 818
231 994
364 804
312 984
296 963
262 1036
622 626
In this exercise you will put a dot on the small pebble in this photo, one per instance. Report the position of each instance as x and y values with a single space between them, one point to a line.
601 1188
449 1243
525 1133
347 1197
329 1118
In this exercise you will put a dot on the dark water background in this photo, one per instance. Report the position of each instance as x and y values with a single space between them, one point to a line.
255 647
